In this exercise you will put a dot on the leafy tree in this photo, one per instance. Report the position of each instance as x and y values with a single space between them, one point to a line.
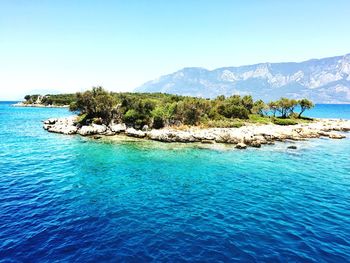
158 110
305 104
96 103
27 97
159 117
286 106
192 112
247 102
273 107
229 110
259 107
131 116
220 98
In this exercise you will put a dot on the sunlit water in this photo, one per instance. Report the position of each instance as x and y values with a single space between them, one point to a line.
68 198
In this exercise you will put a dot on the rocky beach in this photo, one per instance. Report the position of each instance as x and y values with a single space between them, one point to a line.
250 135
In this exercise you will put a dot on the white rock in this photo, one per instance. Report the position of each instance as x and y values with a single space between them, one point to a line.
135 133
120 127
334 135
92 129
51 121
241 145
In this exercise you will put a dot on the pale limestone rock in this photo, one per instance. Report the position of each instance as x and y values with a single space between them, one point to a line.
63 125
241 145
51 121
92 129
145 128
120 127
135 133
334 135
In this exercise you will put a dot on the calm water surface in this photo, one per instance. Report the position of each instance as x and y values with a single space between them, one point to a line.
68 198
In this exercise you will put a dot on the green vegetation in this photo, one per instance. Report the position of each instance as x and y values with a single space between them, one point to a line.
305 104
281 121
159 110
54 100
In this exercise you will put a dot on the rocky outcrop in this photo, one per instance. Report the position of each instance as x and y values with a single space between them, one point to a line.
168 135
241 145
135 133
117 128
92 130
63 125
243 137
334 135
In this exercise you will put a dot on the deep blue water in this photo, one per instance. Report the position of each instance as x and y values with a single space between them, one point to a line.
68 198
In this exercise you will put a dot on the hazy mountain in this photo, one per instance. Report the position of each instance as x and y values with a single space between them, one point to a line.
324 80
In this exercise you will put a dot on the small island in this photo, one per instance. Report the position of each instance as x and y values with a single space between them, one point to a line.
237 120
46 101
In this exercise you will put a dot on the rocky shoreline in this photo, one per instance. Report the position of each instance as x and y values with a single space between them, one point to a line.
247 136
35 105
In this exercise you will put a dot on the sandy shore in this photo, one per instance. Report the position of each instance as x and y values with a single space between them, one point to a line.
251 135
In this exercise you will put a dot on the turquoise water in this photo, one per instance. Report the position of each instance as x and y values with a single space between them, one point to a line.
68 198
330 111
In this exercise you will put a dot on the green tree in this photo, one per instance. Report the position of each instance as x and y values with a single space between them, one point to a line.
305 104
286 106
229 110
273 107
247 102
259 107
131 116
95 103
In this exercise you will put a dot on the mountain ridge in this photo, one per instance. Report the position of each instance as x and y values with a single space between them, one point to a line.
325 80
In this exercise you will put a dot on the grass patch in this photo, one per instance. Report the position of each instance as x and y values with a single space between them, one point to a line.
226 123
306 118
256 118
280 121
82 118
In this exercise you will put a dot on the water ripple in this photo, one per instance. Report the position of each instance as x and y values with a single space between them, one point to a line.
66 198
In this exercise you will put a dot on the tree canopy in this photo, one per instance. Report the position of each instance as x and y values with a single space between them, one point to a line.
158 110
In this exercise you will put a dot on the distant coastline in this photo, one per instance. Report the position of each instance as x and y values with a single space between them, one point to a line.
34 105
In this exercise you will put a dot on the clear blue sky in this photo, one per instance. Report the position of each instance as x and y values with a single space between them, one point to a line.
72 45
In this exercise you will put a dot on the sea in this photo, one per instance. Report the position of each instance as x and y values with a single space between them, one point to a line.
75 199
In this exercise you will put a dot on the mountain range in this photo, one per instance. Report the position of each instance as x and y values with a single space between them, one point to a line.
325 80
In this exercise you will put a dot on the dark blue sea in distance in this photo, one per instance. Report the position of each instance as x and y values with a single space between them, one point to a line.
75 199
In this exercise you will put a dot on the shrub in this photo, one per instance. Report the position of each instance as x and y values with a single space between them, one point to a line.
96 103
131 116
256 118
280 121
82 118
233 111
159 117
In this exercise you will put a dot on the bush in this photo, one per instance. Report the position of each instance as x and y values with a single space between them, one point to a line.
158 117
256 118
131 116
158 110
280 121
96 103
82 118
233 111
